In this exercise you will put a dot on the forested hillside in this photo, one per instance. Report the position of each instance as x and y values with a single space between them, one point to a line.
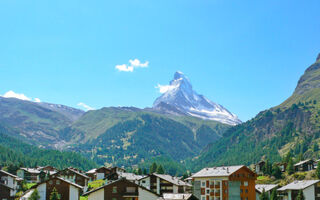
17 153
290 127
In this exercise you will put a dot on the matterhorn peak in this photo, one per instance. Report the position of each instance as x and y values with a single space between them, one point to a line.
181 99
318 58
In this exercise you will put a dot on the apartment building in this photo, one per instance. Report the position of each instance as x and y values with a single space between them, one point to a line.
225 183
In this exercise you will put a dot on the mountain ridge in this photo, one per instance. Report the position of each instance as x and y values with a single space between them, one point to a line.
181 99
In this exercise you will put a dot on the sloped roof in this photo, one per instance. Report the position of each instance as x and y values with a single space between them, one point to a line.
172 179
76 172
130 176
91 171
31 170
298 185
111 183
302 162
266 187
217 171
8 174
61 179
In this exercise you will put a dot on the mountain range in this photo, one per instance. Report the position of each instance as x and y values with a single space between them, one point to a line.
183 130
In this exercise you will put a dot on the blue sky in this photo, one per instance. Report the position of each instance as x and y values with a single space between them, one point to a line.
245 55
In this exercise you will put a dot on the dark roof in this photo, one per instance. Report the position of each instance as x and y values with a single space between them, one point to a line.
74 171
123 179
61 179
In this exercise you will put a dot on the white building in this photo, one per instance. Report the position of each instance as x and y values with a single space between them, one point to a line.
310 188
268 188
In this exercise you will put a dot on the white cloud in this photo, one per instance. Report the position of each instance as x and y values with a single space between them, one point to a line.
135 63
85 106
12 94
165 88
124 68
37 100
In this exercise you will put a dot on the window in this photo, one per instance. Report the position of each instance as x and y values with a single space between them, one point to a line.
203 198
114 189
246 183
203 184
50 182
131 189
208 191
58 182
246 190
114 198
241 191
143 181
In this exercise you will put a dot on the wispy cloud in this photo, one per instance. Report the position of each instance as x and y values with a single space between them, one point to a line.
12 94
164 88
85 106
133 64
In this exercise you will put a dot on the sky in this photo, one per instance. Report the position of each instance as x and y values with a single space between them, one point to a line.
245 55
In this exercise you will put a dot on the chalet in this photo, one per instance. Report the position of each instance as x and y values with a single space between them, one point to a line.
121 189
230 182
66 190
303 166
161 183
268 188
30 175
73 176
310 188
178 197
259 166
282 166
8 185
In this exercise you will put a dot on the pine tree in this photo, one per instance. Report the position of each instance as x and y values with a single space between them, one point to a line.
318 170
153 168
160 169
35 195
300 196
274 195
290 168
54 195
276 171
139 171
145 171
264 195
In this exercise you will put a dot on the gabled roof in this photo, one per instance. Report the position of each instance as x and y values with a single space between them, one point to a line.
169 196
111 183
217 171
170 179
91 171
298 185
130 176
266 187
302 162
61 179
31 170
76 172
8 174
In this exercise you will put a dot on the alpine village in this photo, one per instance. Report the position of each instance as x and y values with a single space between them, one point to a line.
185 147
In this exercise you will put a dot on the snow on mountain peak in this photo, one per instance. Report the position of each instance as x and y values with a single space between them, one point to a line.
179 96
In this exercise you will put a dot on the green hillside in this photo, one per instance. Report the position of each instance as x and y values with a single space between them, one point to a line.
16 152
33 122
131 136
292 126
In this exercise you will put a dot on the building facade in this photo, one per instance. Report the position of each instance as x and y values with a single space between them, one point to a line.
225 183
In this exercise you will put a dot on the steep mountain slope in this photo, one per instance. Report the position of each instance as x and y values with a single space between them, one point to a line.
292 126
127 136
180 99
35 122
16 152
